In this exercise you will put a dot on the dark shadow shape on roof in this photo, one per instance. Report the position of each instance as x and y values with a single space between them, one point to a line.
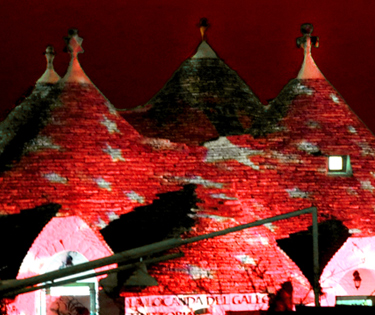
299 246
17 234
167 217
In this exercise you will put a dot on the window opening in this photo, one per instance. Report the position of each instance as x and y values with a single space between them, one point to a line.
339 165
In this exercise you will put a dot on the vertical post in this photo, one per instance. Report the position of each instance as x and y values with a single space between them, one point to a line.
93 299
315 255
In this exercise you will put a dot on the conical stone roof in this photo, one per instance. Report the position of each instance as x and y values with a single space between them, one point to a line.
315 123
313 110
203 99
67 144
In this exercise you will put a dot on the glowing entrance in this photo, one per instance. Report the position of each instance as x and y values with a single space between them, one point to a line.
79 298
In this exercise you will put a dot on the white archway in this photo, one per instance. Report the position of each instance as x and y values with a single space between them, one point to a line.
356 254
61 237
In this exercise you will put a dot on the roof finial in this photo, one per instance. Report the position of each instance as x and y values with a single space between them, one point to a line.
49 76
73 45
309 69
203 26
307 40
50 55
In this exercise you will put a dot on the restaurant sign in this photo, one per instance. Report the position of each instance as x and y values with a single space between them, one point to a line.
188 304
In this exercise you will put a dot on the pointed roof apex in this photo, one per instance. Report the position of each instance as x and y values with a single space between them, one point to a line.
49 76
309 69
204 50
75 73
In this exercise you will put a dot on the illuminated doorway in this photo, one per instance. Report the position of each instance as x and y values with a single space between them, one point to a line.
76 298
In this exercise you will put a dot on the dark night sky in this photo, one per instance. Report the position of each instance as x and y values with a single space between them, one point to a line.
133 47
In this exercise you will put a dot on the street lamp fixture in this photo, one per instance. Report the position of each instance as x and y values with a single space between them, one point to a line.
357 279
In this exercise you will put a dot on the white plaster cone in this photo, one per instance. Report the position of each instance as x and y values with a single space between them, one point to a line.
204 51
75 73
49 76
309 69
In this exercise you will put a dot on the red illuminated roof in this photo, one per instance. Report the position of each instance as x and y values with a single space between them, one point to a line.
67 144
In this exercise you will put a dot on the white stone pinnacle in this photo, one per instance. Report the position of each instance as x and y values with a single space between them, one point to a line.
49 76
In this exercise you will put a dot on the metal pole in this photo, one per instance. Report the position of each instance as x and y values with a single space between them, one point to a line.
91 275
316 256
132 254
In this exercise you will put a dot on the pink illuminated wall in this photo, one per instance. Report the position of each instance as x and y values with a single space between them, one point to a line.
60 235
337 277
